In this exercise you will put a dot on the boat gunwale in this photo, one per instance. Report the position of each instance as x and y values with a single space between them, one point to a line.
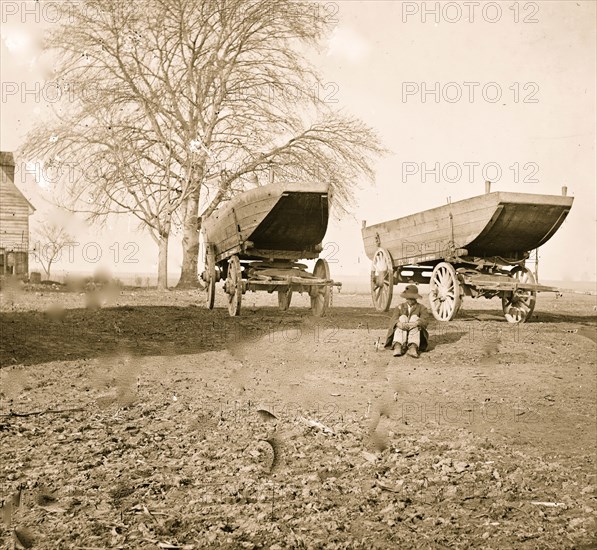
228 215
251 196
503 197
400 230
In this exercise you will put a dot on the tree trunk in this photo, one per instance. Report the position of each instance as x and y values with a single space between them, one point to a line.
190 243
163 262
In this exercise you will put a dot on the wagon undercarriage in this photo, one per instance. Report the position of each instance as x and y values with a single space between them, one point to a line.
283 277
451 280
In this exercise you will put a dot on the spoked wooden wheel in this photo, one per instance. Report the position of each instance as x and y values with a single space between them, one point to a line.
284 299
518 306
320 295
210 276
234 286
382 280
444 292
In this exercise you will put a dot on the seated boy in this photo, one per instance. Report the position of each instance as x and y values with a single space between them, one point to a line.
407 332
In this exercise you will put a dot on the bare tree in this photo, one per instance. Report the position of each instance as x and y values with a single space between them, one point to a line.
211 96
51 240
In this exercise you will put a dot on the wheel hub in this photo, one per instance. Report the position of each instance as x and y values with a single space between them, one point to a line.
378 278
442 293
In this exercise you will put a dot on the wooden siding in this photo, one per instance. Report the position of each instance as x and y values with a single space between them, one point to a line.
492 224
15 210
234 223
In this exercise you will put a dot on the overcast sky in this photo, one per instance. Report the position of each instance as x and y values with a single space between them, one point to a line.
497 90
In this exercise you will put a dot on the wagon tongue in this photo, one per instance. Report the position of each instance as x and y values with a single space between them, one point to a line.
503 282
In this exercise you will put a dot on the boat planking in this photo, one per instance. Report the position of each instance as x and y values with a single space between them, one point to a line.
279 220
499 224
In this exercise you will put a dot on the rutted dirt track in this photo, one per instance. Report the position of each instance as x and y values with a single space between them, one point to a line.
190 429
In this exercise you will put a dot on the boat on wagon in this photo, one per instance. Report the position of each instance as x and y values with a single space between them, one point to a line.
254 243
474 247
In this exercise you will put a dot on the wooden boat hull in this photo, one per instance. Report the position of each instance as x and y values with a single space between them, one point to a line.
274 221
500 224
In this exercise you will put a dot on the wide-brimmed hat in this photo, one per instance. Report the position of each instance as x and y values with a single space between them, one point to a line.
411 291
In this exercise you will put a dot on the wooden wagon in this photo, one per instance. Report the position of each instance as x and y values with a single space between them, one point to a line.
474 247
255 240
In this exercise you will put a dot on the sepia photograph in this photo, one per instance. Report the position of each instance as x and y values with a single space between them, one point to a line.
298 274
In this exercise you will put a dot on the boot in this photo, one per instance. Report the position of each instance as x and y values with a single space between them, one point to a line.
399 350
413 350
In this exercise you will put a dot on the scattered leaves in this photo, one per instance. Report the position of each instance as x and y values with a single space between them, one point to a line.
24 537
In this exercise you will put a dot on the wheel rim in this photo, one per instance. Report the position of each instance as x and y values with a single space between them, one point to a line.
518 306
210 269
284 299
320 295
382 280
444 295
234 286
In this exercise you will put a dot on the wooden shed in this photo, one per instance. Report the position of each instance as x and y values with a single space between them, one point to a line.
15 210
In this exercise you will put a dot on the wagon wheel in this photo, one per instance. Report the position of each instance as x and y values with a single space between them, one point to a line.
518 306
209 276
382 279
284 299
320 295
234 286
444 292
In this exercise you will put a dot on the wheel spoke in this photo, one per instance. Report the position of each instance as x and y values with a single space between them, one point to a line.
234 286
524 305
518 305
320 295
444 292
382 279
446 308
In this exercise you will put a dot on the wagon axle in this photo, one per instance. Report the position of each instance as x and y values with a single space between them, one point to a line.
286 280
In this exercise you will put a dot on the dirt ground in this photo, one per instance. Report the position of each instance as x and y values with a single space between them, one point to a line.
151 422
